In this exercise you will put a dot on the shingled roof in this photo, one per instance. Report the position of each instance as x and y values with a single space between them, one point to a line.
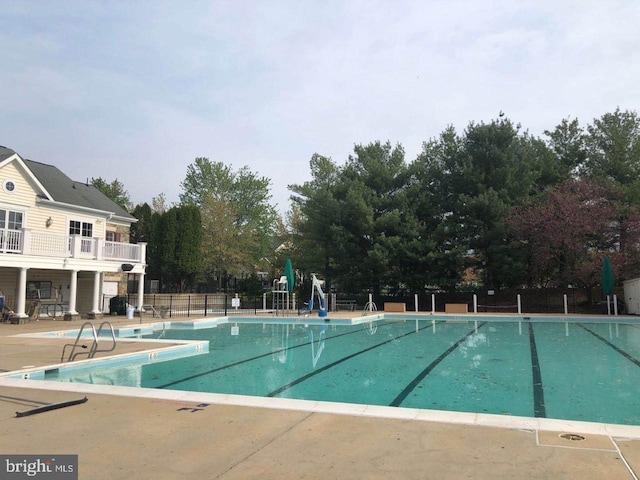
64 190
5 153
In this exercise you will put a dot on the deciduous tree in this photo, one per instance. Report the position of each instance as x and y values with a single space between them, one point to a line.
568 230
235 208
114 190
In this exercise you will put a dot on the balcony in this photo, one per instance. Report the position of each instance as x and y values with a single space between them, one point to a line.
42 244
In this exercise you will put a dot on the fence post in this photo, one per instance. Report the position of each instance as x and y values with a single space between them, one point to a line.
433 303
415 299
475 303
225 304
519 304
206 297
615 305
566 305
170 306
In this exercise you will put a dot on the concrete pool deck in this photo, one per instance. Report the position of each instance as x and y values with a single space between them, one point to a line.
120 437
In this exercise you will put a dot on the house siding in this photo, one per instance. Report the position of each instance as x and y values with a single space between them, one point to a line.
25 194
45 236
8 281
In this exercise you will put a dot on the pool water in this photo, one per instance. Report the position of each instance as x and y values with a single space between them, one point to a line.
571 371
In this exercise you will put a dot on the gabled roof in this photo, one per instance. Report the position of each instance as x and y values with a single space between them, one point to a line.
5 153
64 190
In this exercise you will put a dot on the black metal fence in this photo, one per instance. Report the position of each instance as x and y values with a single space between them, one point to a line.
542 300
499 301
201 305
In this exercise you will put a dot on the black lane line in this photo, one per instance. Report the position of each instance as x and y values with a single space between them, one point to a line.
414 383
337 362
251 359
617 349
539 409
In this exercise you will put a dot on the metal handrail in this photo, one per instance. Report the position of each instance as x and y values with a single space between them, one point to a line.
369 307
94 346
149 307
75 344
113 338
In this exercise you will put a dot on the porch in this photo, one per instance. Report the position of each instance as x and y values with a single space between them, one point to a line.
26 242
60 259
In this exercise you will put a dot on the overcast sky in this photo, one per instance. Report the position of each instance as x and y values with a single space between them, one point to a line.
136 90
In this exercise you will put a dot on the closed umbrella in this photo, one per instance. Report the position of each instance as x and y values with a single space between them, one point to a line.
607 277
607 281
288 272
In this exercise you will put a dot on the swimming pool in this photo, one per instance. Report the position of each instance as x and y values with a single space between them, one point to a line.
583 370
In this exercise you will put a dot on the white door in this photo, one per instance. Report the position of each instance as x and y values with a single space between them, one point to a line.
109 290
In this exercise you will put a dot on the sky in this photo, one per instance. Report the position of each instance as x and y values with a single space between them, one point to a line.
137 90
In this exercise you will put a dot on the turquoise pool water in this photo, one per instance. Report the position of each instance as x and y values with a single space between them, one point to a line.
572 371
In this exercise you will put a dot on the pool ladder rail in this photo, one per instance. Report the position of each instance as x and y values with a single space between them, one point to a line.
94 346
369 308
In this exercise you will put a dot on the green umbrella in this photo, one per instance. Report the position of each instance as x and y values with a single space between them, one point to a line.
288 272
607 277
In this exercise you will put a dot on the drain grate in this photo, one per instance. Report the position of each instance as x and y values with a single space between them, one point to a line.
574 437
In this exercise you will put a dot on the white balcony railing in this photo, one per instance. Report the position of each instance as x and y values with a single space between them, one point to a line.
11 241
67 246
47 245
121 251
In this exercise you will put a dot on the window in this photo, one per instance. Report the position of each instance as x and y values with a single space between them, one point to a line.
85 230
11 220
38 290
80 228
112 236
15 221
9 186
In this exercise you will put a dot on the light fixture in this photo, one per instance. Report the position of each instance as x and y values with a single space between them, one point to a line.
49 222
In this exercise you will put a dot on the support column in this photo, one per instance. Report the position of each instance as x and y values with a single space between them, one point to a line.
73 294
95 307
140 292
21 294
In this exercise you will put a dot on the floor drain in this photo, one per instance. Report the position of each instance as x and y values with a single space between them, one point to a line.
574 437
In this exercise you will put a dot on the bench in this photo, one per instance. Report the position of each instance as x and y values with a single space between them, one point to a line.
346 305
395 307
456 308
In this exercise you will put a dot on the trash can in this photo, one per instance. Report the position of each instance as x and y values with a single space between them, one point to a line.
130 310
118 305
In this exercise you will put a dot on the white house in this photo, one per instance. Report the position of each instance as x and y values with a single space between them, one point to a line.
61 241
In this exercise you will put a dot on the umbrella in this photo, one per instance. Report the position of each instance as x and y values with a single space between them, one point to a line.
607 277
288 272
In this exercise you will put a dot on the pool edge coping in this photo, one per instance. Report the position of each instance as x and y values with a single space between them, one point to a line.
336 408
376 411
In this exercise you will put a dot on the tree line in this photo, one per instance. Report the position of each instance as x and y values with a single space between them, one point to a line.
492 206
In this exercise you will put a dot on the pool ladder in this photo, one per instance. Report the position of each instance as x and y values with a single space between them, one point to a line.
94 346
369 307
